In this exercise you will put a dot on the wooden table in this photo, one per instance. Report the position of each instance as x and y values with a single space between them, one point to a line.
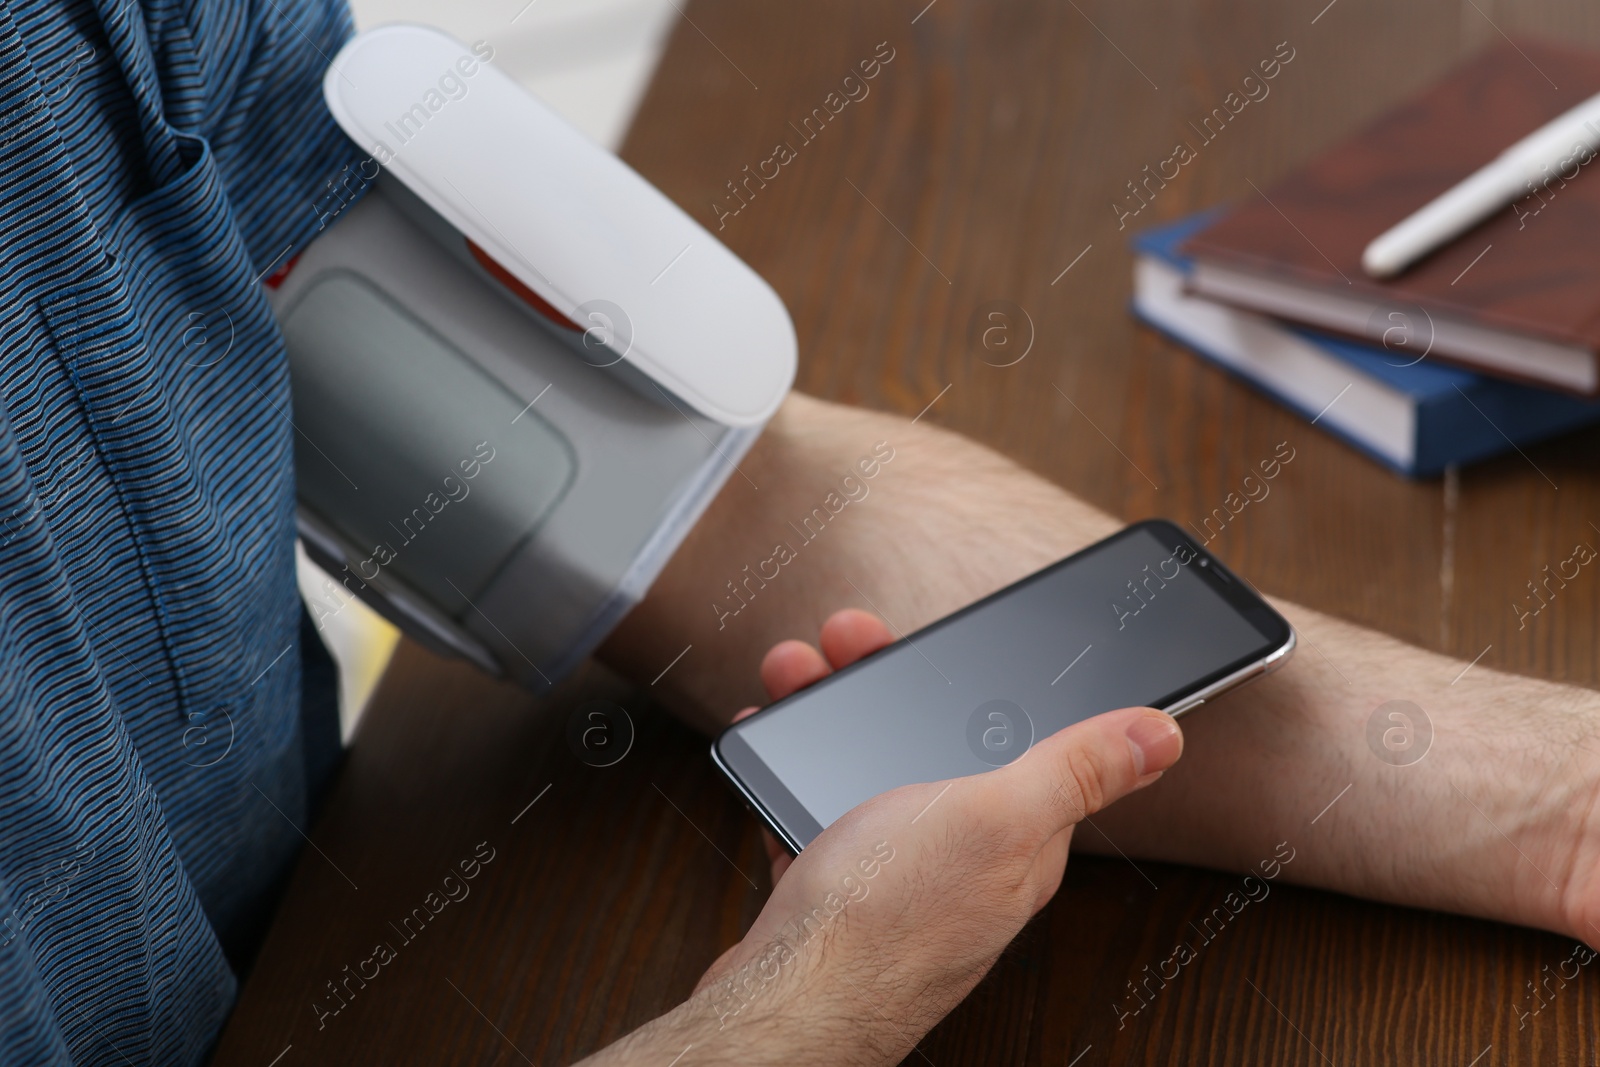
982 165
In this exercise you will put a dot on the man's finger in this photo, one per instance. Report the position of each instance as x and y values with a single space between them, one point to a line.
851 634
1091 764
791 666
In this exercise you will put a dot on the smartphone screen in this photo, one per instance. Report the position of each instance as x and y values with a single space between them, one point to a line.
1144 617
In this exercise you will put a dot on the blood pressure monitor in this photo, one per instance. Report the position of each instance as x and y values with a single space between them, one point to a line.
519 371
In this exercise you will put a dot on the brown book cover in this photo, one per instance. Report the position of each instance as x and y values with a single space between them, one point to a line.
1517 296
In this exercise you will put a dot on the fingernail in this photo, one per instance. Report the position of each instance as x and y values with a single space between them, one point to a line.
1156 743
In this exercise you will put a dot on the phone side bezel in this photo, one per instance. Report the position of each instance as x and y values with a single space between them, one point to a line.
1279 637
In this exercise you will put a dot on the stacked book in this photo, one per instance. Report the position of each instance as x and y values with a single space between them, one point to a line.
1490 343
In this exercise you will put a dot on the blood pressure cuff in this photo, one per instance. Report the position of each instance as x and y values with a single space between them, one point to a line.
501 453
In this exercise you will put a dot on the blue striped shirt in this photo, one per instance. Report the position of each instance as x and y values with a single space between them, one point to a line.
157 753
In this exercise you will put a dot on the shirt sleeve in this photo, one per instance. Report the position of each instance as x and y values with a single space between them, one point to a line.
278 150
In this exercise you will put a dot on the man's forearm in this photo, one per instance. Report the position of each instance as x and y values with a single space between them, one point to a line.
1496 819
789 541
1493 821
689 1033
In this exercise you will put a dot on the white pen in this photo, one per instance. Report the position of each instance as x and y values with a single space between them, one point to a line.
1572 139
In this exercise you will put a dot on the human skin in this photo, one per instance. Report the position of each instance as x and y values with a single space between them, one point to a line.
1499 820
910 897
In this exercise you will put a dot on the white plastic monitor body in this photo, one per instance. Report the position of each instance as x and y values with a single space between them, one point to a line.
520 372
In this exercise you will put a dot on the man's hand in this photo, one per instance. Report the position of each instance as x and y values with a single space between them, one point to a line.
891 916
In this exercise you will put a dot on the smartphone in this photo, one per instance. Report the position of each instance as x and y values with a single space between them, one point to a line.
1145 617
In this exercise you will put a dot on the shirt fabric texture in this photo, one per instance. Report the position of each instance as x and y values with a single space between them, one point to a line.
166 717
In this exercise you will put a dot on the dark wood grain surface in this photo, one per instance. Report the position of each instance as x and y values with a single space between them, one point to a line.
986 159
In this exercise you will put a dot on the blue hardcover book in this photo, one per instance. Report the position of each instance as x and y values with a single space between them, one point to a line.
1417 417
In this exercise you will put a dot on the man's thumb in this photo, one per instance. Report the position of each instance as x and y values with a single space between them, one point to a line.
1082 769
